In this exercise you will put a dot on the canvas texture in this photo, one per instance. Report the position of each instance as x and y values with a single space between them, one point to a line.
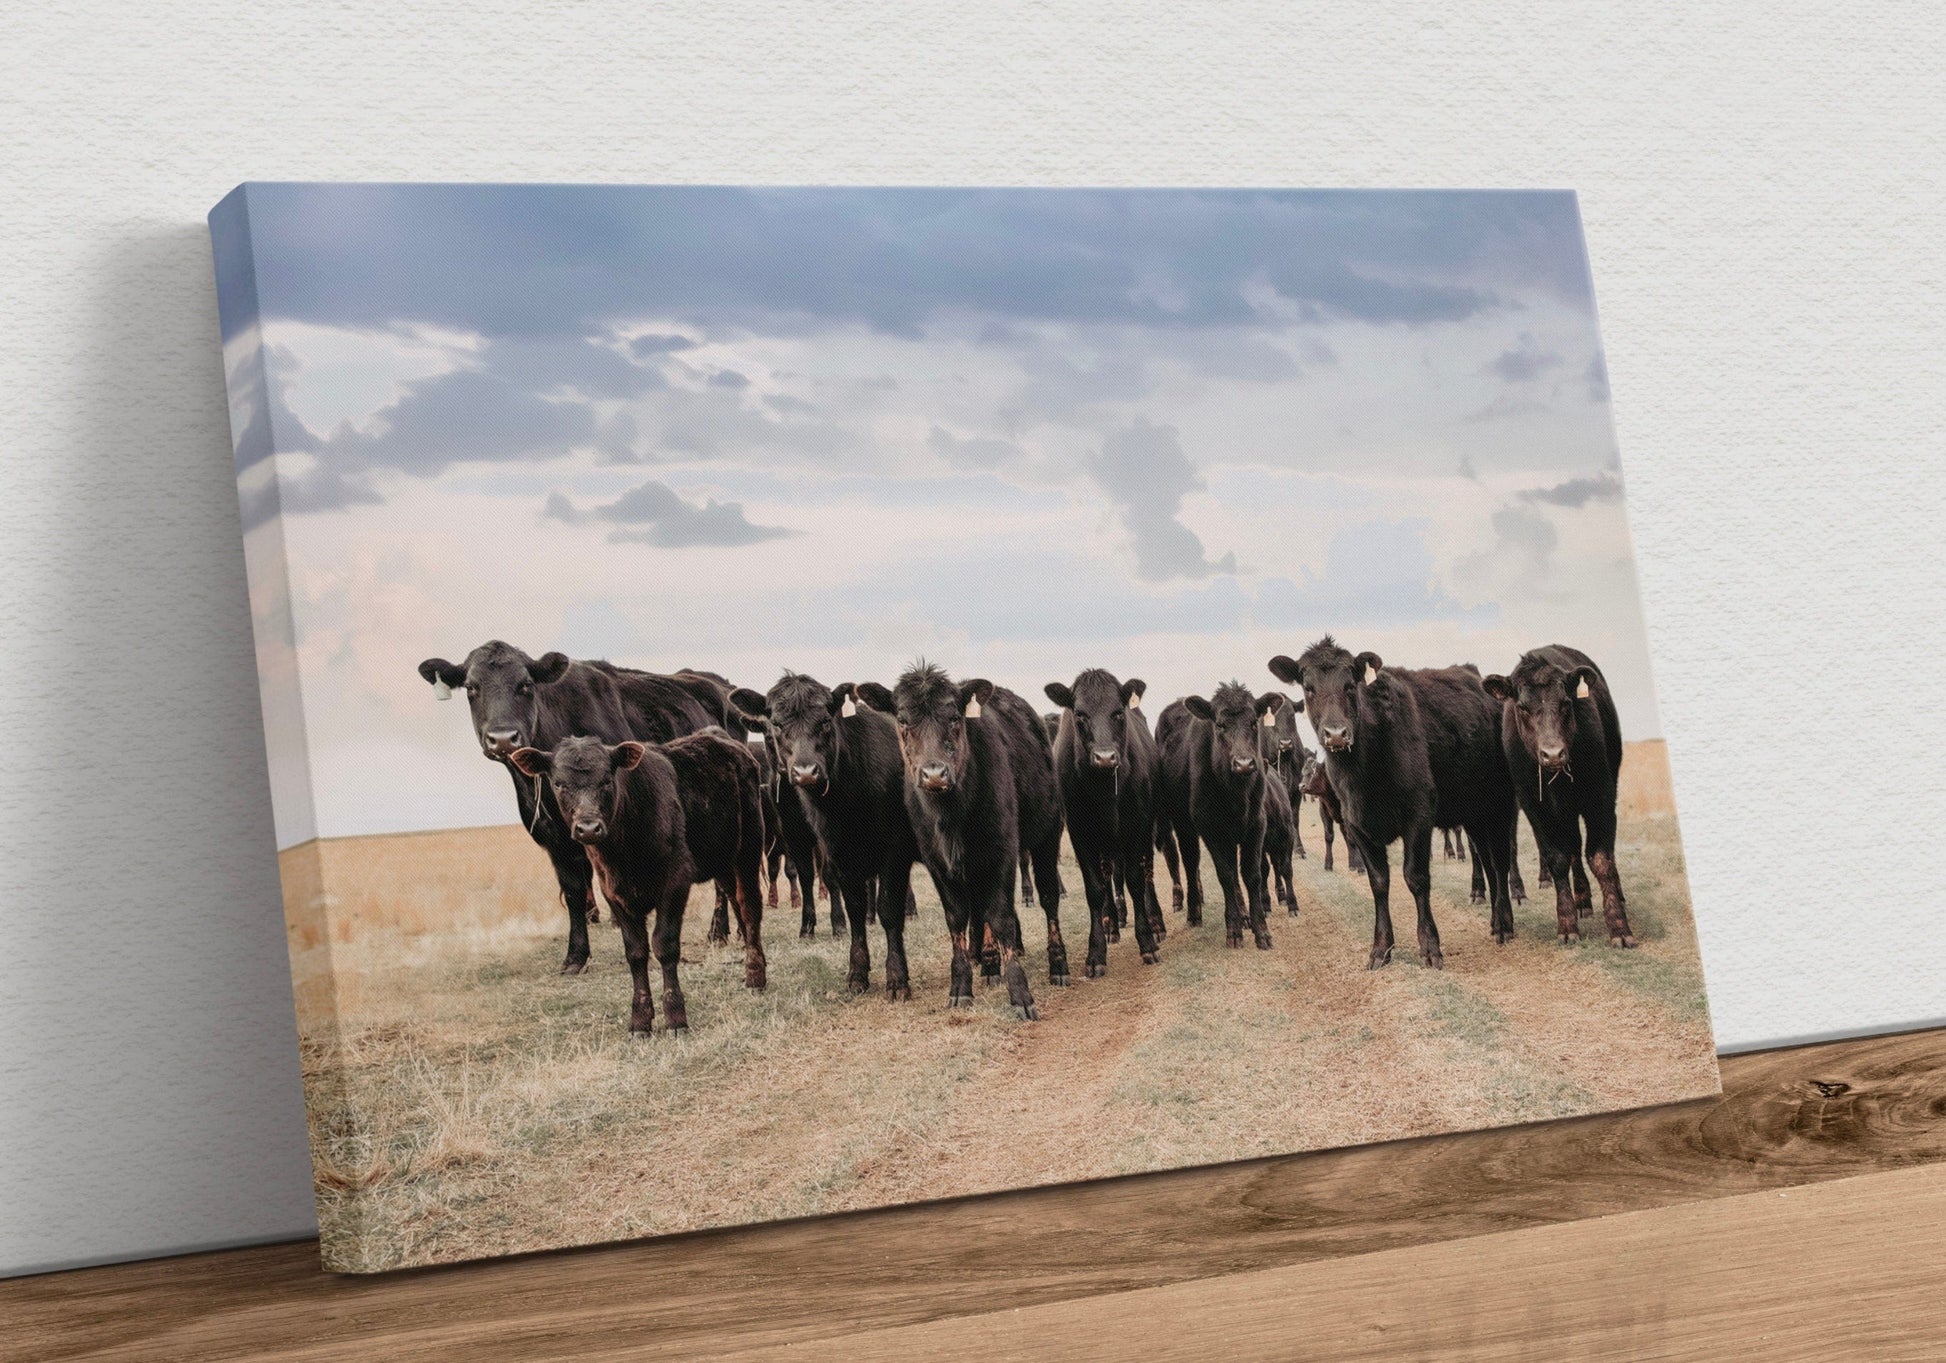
794 700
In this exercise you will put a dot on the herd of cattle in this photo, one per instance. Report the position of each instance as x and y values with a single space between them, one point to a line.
634 779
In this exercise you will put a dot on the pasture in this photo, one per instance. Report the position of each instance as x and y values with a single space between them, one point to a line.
466 1100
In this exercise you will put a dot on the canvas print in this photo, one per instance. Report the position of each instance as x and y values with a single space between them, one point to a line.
781 701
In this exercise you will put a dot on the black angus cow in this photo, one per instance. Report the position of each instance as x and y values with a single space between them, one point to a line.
1105 759
1280 833
652 821
779 866
849 784
1407 751
523 702
1213 789
806 868
1516 888
1051 721
981 794
1284 753
1317 785
1563 750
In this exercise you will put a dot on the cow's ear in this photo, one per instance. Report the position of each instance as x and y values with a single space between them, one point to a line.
840 693
975 692
1060 695
1269 701
874 696
1133 690
1297 706
626 756
1198 707
1498 687
756 724
1581 682
549 667
1365 660
441 674
750 702
532 760
1285 669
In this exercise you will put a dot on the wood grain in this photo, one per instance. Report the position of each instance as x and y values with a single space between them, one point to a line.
1787 1118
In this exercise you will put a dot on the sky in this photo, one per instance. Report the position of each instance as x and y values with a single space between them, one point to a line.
1019 432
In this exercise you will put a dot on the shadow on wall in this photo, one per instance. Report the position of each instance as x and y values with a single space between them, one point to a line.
153 1102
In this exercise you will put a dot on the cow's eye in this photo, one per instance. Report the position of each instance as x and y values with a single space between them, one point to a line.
1119 716
524 689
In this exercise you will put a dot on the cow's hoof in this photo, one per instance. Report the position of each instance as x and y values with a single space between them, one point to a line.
1059 981
959 1001
1263 941
1293 910
1502 936
1151 958
1379 959
679 1029
1569 939
1621 940
1476 899
573 967
1518 896
899 993
758 983
1097 969
1026 1013
806 934
854 985
1432 960
1584 910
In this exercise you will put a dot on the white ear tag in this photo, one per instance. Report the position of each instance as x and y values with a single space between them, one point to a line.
972 709
1135 702
441 691
850 707
1581 692
1270 719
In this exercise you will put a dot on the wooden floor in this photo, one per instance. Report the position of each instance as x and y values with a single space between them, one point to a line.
1802 1215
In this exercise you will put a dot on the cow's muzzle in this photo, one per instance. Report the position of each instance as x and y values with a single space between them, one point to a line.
589 830
810 778
1243 766
1336 739
935 777
500 742
1106 760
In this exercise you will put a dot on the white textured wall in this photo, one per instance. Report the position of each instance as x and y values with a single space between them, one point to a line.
1761 184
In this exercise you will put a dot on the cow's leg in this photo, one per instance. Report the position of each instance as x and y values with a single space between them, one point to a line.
1378 874
1446 837
801 856
1117 910
1121 896
750 911
1286 887
960 930
774 867
1329 839
1101 915
1003 926
1026 884
1515 886
1601 860
1251 855
1156 924
894 892
1554 860
1584 902
1416 855
668 954
1191 848
1165 843
1354 855
911 900
989 951
1477 892
1223 853
1297 821
1136 860
1047 874
857 892
1492 849
834 890
577 882
719 923
635 947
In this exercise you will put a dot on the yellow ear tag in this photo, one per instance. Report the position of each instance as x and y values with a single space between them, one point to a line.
441 691
972 709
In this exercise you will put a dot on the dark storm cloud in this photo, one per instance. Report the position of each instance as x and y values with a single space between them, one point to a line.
1145 473
654 513
519 260
1576 493
465 415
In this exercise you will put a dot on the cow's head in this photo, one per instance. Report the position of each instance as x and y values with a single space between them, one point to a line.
502 687
1278 735
587 777
931 713
1540 701
1099 704
1333 681
801 716
1312 781
1234 716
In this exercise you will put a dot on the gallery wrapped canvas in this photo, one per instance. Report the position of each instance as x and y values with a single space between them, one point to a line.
781 701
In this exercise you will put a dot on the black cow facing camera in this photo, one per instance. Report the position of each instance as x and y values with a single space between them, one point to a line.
1405 751
981 795
522 702
1213 790
653 820
1563 745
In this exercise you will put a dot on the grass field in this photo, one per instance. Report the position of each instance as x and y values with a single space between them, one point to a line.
466 1100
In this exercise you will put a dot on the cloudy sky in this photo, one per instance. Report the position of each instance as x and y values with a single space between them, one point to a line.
1020 432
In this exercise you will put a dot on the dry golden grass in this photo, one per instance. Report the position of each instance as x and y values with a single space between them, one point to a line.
466 1100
